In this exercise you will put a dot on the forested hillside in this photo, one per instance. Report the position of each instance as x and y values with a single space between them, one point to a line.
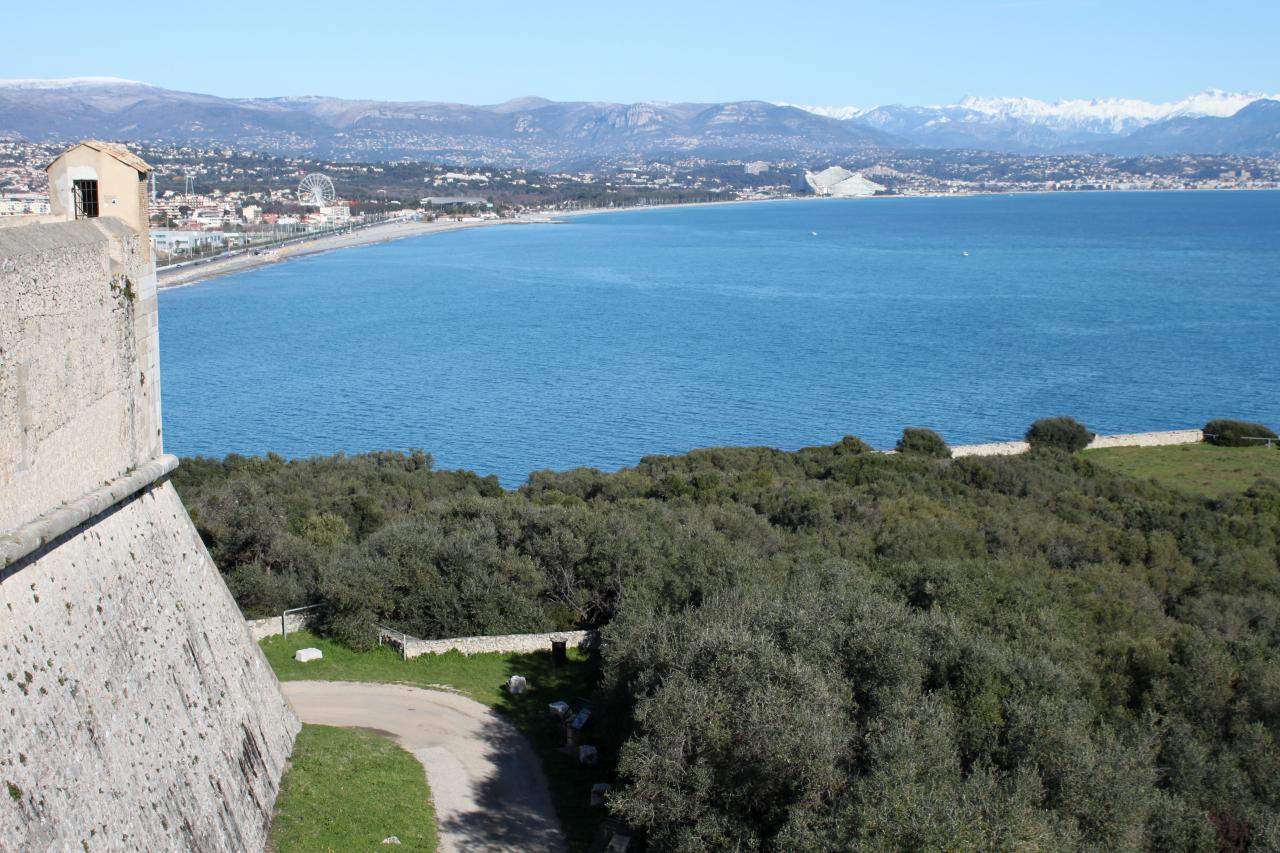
833 648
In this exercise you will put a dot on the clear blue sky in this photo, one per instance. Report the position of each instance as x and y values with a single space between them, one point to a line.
834 53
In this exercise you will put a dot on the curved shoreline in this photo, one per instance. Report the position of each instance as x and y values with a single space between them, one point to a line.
386 232
245 261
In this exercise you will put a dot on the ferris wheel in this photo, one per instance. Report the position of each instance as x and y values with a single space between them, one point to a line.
316 190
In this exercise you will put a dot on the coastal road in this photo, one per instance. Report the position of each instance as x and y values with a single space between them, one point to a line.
381 233
487 784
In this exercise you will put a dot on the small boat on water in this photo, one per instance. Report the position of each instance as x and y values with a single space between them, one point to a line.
964 254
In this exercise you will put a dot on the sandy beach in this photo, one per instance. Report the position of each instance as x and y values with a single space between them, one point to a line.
245 260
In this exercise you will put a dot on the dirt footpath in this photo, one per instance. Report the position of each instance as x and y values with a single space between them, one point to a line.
487 784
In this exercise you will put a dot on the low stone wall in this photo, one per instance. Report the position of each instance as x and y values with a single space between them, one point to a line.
1133 439
276 625
998 448
412 647
1148 439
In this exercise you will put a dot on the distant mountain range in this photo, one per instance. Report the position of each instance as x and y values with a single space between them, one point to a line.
541 133
527 131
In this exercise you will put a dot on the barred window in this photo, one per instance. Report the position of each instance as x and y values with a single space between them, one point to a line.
86 196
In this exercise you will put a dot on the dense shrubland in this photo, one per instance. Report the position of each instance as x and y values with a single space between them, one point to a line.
833 648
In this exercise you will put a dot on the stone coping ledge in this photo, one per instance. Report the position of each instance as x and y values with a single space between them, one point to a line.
18 543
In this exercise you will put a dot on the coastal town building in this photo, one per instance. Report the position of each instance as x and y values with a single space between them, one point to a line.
454 201
333 214
841 183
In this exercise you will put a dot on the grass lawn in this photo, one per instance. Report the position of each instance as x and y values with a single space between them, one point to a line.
480 677
347 789
1202 469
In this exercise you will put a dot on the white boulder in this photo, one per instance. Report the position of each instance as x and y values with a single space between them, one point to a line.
307 655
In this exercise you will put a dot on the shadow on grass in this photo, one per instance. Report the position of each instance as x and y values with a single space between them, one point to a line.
574 682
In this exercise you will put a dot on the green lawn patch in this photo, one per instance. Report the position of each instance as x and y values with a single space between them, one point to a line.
481 677
348 789
1202 469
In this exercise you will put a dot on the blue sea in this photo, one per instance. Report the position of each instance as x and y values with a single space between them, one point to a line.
511 349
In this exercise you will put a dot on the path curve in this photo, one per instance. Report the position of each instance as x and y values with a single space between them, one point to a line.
487 784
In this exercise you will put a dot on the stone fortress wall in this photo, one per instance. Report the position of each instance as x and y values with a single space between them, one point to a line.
79 370
137 713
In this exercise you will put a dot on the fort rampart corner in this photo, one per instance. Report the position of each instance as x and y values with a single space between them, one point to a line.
137 711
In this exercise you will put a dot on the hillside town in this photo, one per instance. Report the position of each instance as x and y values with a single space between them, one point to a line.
204 201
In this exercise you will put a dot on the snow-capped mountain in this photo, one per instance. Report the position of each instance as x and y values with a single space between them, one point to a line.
1112 115
1254 130
69 83
828 112
1028 124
